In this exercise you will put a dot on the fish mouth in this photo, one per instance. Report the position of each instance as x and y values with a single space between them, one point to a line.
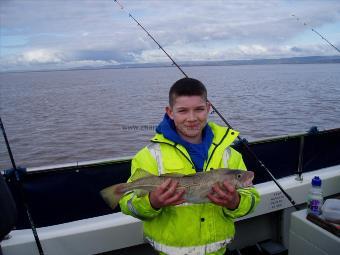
248 183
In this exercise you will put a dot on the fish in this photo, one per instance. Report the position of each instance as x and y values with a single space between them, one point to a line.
197 186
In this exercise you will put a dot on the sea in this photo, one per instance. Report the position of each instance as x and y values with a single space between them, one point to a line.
59 117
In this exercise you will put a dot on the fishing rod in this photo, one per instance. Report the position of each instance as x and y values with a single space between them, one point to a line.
28 212
243 141
316 32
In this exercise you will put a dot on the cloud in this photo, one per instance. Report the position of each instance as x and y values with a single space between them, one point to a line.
51 59
40 56
63 32
296 49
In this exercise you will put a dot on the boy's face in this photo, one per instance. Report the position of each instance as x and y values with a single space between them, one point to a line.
190 114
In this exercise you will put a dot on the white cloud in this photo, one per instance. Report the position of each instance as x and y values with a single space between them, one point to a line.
47 59
40 56
252 49
94 63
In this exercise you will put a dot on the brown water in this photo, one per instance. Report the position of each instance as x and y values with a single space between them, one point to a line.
69 116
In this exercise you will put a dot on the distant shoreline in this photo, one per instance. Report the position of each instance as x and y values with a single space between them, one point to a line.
293 60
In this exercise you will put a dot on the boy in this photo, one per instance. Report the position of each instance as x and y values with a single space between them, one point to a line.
185 143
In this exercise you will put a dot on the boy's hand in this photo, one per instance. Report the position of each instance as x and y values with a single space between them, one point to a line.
225 195
166 194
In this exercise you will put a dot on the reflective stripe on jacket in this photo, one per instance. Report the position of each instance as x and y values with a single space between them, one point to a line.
188 228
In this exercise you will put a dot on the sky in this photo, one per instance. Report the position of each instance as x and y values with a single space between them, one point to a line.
61 34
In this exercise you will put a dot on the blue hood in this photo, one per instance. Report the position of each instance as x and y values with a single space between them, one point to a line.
198 152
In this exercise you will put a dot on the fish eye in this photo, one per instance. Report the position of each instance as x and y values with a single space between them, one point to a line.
239 176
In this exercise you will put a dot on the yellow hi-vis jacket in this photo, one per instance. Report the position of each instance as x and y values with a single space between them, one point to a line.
193 229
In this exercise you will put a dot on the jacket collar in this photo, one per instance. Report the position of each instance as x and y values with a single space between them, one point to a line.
219 136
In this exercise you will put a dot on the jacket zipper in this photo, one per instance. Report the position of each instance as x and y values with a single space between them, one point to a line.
175 146
216 145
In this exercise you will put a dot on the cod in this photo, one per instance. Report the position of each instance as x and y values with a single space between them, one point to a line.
197 186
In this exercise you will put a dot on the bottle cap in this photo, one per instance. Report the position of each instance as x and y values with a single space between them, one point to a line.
316 181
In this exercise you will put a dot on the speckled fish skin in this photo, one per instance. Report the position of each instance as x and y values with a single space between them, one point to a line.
197 186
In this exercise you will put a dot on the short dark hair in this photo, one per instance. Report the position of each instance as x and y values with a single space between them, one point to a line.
187 87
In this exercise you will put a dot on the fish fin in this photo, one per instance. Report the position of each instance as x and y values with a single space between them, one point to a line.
112 194
141 192
174 174
139 173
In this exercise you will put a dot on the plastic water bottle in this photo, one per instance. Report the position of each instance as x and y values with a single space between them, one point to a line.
315 199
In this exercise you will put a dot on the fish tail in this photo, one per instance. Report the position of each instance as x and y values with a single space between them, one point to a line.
112 194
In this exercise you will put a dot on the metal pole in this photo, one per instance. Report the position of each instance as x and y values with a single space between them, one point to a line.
29 215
